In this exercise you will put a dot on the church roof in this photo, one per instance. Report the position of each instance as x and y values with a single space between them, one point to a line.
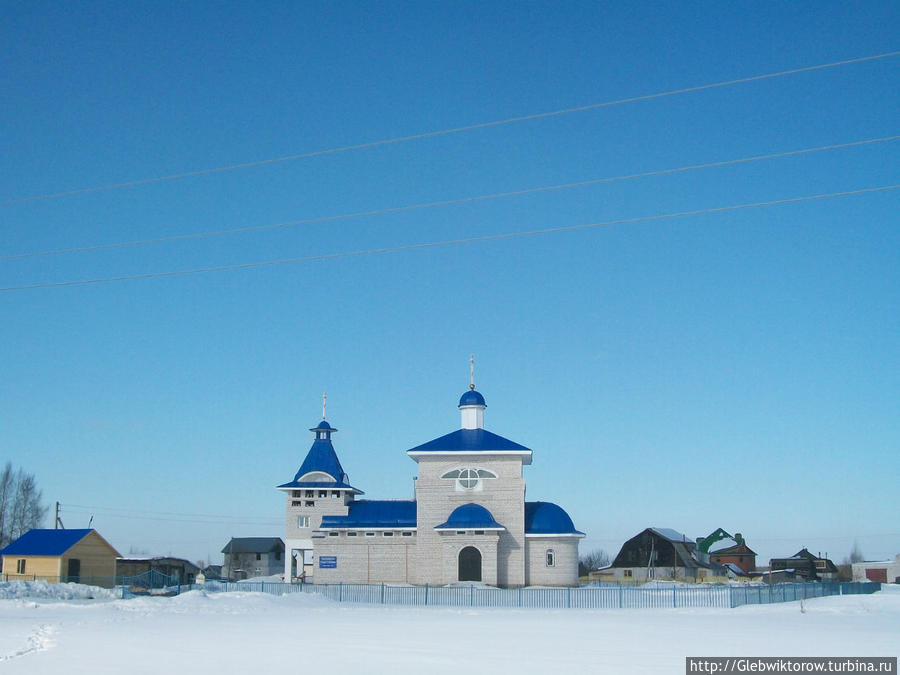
374 513
45 542
471 397
470 440
321 458
470 517
548 518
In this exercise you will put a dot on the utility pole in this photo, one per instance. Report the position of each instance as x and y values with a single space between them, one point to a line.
57 521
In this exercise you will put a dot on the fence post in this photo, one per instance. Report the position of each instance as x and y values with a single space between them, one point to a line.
341 591
471 595
620 595
426 594
520 596
674 603
382 592
568 596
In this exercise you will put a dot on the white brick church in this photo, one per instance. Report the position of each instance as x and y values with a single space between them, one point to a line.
468 522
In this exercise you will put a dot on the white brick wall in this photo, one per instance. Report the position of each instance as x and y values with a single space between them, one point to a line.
504 497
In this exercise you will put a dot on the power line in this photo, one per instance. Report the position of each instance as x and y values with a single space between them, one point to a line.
168 516
449 202
447 132
451 242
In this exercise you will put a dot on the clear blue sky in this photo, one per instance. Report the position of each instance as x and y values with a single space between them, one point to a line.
736 370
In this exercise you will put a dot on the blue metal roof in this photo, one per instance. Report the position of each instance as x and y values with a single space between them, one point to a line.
470 440
321 457
471 397
470 517
323 426
548 518
45 542
319 485
371 513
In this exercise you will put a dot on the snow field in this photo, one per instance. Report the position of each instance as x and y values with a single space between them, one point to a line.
205 633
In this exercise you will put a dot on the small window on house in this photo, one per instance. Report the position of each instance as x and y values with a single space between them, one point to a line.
550 557
406 534
351 534
259 556
626 573
479 531
335 494
20 566
370 534
302 522
387 534
333 534
323 494
309 503
310 493
460 532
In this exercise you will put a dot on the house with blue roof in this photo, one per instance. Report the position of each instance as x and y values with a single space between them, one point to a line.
60 556
469 521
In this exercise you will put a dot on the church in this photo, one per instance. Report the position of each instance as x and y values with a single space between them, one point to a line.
469 521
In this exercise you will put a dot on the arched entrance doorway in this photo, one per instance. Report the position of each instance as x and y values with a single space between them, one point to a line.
470 564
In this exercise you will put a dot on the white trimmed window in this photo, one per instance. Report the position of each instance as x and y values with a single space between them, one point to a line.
550 558
302 521
370 534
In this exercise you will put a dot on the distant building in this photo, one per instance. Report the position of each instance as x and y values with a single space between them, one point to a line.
806 566
885 571
247 557
728 550
660 553
185 570
60 556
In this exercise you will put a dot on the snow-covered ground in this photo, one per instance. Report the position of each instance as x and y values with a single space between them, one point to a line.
71 629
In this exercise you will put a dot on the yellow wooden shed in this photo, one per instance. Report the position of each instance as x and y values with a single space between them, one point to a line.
60 556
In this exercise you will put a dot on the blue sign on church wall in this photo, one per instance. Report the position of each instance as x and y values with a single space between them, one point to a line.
328 562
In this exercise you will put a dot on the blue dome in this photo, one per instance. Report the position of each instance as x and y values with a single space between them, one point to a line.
547 518
471 397
470 517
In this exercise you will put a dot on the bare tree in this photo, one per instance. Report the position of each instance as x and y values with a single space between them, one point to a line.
20 504
592 560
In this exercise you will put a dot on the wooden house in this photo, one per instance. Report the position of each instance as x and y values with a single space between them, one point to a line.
185 570
60 556
806 566
659 553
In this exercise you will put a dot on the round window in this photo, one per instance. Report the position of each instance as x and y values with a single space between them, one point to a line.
468 478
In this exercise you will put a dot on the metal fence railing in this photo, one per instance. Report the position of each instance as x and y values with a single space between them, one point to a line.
596 596
602 596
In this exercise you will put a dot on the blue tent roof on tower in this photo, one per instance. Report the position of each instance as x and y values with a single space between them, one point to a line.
321 459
